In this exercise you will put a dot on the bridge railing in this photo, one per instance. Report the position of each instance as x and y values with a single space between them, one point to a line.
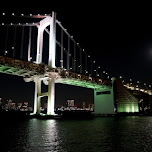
68 74
10 62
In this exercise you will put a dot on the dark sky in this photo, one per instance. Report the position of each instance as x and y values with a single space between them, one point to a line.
117 36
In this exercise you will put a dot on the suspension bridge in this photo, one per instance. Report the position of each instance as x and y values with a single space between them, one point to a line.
40 49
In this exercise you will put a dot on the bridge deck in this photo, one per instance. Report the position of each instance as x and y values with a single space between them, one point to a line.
31 70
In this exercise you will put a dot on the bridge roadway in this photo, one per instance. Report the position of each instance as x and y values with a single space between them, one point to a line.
29 71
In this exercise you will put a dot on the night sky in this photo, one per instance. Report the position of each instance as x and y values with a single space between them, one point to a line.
118 38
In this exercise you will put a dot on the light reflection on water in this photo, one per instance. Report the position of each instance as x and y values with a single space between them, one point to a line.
99 134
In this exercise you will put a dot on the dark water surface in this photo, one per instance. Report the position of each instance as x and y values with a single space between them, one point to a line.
100 134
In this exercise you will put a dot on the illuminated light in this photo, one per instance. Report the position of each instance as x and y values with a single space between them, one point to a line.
13 47
88 56
120 77
144 83
38 14
19 23
70 68
83 50
61 60
3 24
94 61
11 23
98 75
130 79
99 67
104 71
13 14
137 86
71 36
150 86
6 52
26 23
45 14
30 14
77 43
3 13
64 48
94 70
22 14
137 81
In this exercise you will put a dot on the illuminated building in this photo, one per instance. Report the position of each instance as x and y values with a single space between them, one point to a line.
70 103
91 107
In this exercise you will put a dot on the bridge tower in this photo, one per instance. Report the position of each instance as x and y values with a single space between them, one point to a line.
47 21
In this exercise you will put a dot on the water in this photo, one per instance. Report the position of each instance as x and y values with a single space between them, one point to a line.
101 134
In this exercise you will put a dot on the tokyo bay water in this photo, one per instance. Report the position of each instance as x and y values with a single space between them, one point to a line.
99 134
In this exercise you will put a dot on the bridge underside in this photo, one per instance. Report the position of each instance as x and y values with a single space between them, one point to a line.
82 83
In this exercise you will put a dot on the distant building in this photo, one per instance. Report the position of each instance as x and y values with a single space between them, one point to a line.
84 105
19 105
70 103
91 107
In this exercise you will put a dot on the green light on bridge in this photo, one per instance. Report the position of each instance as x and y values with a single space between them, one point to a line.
82 83
128 108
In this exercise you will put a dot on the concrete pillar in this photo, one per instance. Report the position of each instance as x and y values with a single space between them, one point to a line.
51 96
37 99
52 41
39 45
104 102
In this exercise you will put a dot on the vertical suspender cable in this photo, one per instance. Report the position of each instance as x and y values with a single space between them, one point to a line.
74 58
29 45
14 43
86 57
6 39
91 67
68 54
61 61
22 43
80 60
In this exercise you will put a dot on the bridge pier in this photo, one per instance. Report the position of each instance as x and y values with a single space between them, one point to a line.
37 99
50 81
104 101
51 96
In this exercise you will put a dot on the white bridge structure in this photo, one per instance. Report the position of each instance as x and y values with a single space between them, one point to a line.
55 59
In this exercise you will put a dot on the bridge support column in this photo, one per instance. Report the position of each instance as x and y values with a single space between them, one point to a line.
51 96
37 99
104 101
